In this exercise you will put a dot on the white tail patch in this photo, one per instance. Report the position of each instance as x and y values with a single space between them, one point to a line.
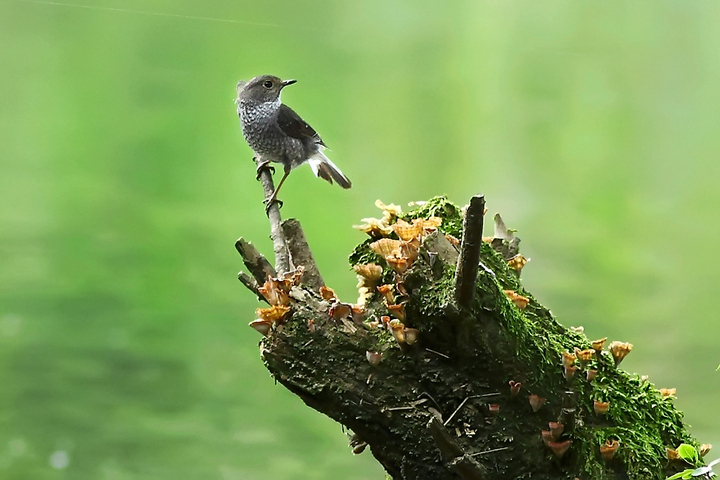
323 168
315 165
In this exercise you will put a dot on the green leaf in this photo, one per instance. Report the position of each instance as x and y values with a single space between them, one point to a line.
688 453
683 474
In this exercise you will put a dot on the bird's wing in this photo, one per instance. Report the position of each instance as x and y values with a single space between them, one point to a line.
294 126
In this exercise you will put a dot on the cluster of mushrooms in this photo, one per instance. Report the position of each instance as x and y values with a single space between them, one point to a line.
399 254
277 293
552 438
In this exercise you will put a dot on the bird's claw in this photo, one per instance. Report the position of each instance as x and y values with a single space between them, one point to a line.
270 201
261 167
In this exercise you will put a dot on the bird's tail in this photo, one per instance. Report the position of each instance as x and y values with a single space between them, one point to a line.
322 167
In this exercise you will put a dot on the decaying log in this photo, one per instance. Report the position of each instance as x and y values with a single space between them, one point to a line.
449 374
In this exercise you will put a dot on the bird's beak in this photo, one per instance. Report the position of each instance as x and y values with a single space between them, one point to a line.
285 83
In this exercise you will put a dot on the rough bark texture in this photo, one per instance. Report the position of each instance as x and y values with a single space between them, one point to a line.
443 407
301 254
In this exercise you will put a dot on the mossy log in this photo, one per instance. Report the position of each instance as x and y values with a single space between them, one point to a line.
469 386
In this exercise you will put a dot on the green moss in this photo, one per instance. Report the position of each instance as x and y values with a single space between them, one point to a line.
362 254
434 296
439 207
644 422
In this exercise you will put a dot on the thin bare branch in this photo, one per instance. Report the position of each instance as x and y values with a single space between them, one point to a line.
282 255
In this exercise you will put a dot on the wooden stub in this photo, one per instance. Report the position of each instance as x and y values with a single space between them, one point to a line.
254 261
467 266
300 254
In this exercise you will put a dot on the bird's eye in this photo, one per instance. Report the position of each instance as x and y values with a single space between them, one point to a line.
267 84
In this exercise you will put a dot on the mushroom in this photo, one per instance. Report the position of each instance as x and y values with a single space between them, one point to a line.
608 450
619 351
556 429
374 358
559 448
600 408
536 402
568 359
598 345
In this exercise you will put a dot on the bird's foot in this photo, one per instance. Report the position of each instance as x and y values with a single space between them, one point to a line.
270 201
263 166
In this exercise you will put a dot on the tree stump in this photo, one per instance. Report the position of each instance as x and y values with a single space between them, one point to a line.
447 367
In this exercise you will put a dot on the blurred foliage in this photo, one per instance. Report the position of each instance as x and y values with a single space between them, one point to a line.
124 181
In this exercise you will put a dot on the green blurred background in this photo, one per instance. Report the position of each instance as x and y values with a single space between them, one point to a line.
124 182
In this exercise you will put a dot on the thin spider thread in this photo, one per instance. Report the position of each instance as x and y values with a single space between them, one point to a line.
158 14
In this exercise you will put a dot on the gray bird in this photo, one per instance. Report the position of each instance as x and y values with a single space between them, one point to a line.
277 134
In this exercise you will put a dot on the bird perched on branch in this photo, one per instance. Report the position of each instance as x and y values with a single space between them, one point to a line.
277 134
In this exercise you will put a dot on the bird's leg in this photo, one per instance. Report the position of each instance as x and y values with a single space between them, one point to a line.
273 198
264 165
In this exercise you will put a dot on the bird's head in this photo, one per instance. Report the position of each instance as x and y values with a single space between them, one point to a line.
261 89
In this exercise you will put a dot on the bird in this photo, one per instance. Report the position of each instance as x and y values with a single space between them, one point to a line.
275 133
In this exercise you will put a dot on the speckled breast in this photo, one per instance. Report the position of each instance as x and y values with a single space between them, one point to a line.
264 136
